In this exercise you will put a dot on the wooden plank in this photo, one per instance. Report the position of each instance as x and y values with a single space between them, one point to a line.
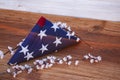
98 9
104 36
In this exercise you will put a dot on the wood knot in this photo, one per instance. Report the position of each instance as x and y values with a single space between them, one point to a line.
96 28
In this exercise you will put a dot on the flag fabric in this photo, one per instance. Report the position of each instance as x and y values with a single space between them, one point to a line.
44 38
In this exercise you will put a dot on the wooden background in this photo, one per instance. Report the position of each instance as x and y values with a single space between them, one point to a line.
104 36
98 9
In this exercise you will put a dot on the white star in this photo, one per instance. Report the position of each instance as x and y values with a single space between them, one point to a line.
55 27
42 34
57 41
69 35
78 39
24 50
20 43
44 48
69 29
73 33
29 55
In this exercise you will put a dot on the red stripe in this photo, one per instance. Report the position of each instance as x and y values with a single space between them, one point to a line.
41 21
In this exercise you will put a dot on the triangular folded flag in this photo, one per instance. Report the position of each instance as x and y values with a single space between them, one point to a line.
44 38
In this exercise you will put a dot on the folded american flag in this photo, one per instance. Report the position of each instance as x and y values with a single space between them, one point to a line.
44 38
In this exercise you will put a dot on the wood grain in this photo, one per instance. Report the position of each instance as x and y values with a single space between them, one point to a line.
104 36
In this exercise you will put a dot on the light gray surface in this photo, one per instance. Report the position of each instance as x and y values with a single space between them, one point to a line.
98 9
